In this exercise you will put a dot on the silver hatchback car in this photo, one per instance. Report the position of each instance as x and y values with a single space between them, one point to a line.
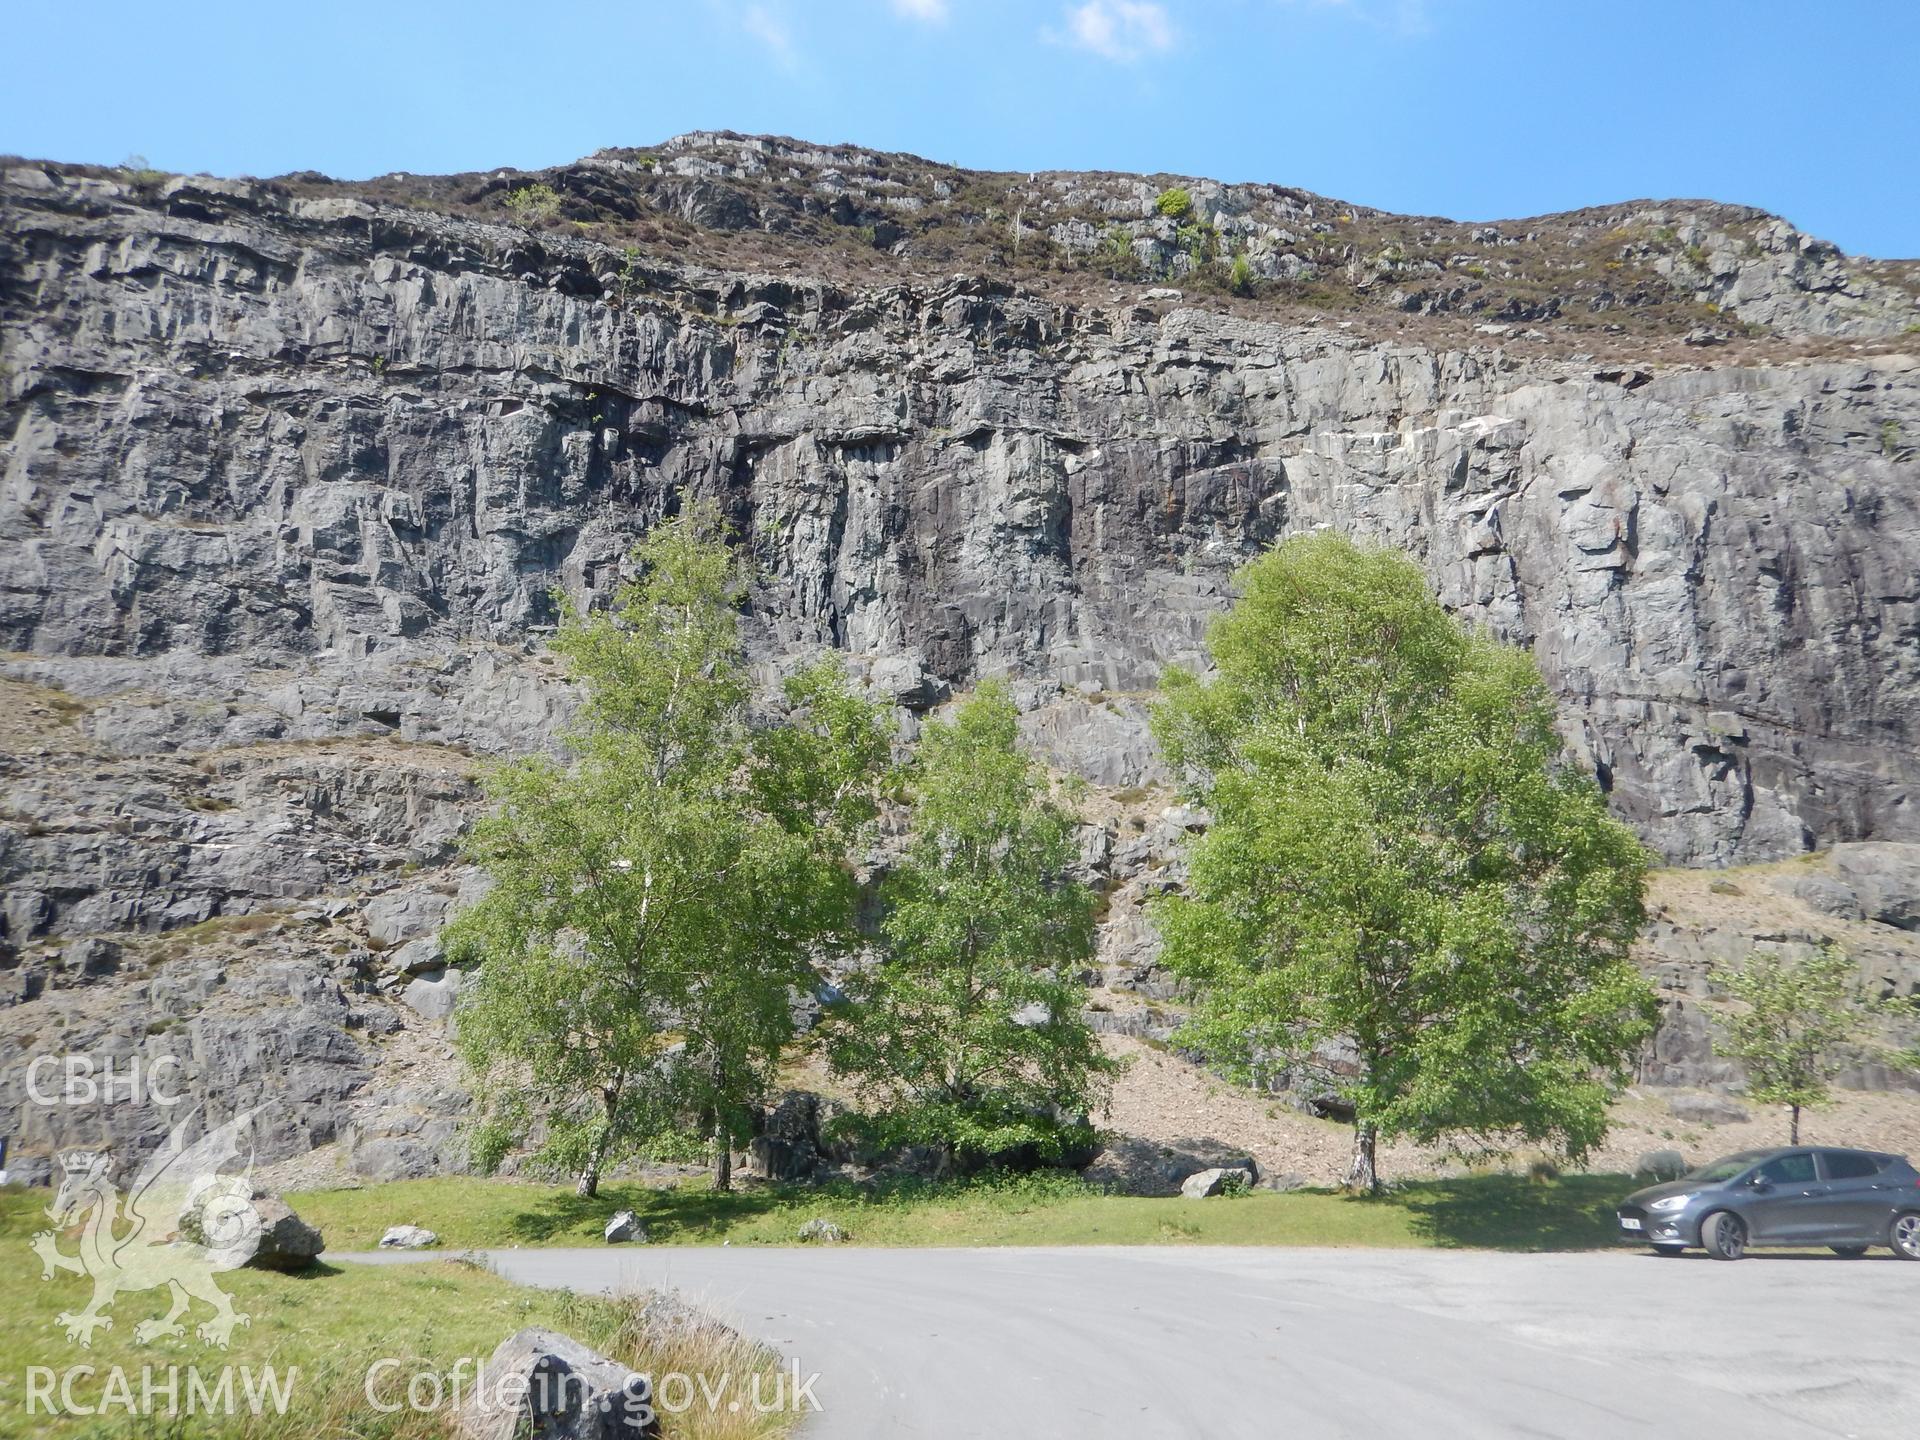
1847 1200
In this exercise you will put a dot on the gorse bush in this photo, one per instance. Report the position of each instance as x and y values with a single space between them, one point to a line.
1175 204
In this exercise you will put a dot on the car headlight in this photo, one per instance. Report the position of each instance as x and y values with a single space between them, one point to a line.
1672 1202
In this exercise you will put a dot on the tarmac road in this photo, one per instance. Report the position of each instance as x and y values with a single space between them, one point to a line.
1297 1344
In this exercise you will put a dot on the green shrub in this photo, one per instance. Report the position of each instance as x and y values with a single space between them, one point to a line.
533 204
1240 276
1117 256
139 173
1175 204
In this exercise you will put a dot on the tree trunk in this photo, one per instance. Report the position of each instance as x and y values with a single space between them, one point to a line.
1793 1131
1364 1173
722 1140
588 1185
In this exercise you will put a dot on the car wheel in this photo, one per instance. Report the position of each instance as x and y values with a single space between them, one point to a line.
1669 1250
1906 1235
1724 1238
1848 1252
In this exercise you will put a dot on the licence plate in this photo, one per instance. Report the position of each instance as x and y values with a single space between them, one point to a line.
1627 1222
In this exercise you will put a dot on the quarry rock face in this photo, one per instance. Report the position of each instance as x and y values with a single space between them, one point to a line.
289 481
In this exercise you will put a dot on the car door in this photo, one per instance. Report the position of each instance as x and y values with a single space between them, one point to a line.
1783 1202
1859 1199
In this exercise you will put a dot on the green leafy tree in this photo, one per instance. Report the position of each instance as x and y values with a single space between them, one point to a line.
1403 894
656 901
967 1035
532 205
1175 203
1798 1020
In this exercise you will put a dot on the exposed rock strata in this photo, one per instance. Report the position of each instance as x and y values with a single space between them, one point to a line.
289 480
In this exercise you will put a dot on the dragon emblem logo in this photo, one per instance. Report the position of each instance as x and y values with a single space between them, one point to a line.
180 1223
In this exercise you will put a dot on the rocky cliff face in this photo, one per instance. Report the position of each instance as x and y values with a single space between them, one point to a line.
292 471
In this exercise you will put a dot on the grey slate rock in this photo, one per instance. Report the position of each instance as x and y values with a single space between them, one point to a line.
1205 1184
408 1237
560 1389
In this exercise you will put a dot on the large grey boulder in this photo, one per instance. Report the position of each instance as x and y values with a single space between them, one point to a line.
221 1215
545 1384
1886 877
821 1231
434 996
1222 1180
286 1241
624 1227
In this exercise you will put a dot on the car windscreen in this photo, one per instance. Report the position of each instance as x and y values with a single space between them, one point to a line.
1729 1167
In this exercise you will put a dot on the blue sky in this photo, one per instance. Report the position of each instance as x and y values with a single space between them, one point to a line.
1474 109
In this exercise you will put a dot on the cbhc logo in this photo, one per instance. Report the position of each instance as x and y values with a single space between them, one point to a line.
83 1080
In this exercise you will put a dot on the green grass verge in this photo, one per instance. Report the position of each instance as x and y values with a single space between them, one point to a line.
327 1326
1501 1212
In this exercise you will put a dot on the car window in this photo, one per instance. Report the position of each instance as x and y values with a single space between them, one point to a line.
1788 1169
1841 1166
1725 1169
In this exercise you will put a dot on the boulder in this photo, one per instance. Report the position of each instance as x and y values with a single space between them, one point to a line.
543 1383
286 1241
433 996
625 1227
417 957
904 681
1132 1166
1823 893
1708 1110
1656 1165
821 1231
788 1146
408 1237
1221 1180
1886 877
227 1213
405 914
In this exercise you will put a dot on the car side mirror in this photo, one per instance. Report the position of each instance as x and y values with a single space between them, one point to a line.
1759 1182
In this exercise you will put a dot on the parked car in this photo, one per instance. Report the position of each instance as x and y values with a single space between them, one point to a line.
1847 1200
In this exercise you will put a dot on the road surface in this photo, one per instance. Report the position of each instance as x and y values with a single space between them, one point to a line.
1296 1344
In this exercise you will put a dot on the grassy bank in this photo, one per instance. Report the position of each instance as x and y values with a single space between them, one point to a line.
1492 1211
323 1328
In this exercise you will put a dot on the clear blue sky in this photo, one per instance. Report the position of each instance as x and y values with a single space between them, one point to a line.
1475 109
